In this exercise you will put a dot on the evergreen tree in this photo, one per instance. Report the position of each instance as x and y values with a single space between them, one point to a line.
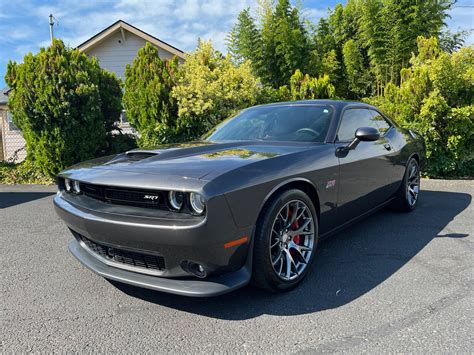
277 47
356 74
147 98
64 104
244 41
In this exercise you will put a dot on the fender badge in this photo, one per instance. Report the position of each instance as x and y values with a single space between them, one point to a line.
331 183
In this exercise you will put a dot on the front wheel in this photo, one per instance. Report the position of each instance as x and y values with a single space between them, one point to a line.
408 194
285 241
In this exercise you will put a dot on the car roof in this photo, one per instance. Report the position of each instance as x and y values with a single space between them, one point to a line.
336 103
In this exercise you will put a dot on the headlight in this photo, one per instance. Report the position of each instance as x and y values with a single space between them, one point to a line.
197 202
67 185
176 199
76 187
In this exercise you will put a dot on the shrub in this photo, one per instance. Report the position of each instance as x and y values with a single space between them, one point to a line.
210 88
64 104
304 87
147 99
23 173
435 98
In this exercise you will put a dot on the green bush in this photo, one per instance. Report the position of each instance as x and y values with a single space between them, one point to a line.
304 87
23 173
147 99
64 104
210 88
435 98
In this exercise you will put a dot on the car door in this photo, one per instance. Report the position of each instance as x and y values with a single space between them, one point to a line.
362 171
388 137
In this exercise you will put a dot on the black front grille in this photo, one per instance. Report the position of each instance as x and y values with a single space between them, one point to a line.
121 196
93 191
146 261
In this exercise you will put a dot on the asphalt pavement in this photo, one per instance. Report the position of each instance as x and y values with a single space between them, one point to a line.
392 283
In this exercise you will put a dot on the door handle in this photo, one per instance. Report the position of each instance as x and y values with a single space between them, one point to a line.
387 146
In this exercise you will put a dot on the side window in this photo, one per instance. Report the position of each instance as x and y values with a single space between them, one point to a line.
351 120
382 123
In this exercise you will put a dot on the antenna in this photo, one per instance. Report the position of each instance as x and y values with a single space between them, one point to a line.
51 24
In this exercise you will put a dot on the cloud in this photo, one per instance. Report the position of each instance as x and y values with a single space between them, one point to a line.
178 22
181 24
187 10
14 34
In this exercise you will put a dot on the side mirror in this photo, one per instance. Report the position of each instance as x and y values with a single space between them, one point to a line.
364 134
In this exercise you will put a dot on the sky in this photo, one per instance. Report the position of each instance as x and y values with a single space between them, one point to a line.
24 24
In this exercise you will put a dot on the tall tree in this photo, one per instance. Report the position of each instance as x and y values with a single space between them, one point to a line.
244 41
403 22
373 35
276 47
356 74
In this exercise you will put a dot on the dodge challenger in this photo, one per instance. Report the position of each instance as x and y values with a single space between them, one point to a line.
249 202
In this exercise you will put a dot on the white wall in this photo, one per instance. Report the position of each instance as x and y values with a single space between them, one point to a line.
114 53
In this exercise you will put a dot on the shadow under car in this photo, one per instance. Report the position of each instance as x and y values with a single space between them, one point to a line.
347 265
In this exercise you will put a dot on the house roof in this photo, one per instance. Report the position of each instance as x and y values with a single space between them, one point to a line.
122 25
4 95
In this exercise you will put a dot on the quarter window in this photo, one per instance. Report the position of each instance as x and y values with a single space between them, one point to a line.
382 123
353 119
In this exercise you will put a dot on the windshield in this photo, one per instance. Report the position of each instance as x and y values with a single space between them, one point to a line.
297 123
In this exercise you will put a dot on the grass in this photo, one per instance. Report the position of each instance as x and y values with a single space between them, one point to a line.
23 173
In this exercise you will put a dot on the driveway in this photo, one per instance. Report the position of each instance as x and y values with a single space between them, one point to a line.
393 283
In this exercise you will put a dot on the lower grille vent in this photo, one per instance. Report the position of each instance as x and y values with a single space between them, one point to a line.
140 260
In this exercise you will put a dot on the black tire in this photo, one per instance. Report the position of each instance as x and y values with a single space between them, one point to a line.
264 275
402 202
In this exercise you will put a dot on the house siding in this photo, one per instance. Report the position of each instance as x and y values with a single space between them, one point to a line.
114 54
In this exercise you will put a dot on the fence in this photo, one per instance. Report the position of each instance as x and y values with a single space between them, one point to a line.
12 144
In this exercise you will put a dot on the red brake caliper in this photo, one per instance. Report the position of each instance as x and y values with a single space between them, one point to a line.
296 238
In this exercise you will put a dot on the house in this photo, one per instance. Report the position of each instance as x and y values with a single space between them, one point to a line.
114 47
118 44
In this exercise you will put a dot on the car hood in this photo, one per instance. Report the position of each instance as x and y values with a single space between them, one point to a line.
192 160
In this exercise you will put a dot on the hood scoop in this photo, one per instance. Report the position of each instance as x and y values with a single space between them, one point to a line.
131 156
136 155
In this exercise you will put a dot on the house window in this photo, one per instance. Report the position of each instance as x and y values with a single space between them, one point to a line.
11 124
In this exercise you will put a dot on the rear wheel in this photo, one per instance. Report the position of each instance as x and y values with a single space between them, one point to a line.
407 196
285 241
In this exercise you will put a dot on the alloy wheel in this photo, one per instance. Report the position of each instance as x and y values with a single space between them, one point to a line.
413 184
292 240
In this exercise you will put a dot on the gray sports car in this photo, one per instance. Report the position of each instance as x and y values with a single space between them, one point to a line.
247 203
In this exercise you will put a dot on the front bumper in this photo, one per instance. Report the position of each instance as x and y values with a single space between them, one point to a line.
212 286
202 242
